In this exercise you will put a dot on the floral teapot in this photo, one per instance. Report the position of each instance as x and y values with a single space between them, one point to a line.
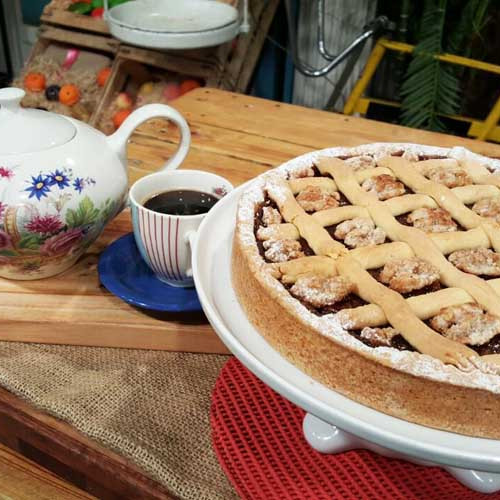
61 182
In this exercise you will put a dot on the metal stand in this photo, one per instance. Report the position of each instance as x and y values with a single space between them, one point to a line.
327 438
351 52
374 28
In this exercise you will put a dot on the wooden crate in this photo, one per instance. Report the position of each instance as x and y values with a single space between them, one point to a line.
140 66
56 13
240 64
235 61
96 42
96 52
229 66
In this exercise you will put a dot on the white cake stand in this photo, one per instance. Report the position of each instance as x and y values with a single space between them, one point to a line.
334 423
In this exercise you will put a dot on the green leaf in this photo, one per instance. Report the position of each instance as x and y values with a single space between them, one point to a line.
8 253
108 209
30 241
430 87
80 8
85 214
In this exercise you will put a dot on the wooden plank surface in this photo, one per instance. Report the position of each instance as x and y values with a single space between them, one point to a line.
307 127
70 455
73 308
234 136
23 479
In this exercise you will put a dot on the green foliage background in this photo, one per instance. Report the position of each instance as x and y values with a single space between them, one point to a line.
431 88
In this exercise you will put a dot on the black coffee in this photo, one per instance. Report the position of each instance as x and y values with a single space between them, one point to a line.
181 202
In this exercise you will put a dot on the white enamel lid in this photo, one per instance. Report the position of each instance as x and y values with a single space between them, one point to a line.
29 130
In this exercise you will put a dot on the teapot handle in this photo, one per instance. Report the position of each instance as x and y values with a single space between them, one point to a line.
118 140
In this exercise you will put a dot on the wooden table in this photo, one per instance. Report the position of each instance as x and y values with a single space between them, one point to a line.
237 137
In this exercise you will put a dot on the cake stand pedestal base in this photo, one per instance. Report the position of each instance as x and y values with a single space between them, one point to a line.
327 438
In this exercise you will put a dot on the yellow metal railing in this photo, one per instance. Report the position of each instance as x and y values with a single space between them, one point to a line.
357 102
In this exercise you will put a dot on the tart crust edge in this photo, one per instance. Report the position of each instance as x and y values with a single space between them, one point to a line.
371 382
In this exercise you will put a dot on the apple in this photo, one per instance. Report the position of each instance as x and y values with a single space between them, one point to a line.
97 13
120 116
146 88
188 85
171 91
123 101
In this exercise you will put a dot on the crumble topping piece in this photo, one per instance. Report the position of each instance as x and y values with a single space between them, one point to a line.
359 232
302 172
406 275
359 163
384 186
320 291
488 207
270 216
282 250
379 337
479 261
315 198
410 156
467 324
432 220
449 176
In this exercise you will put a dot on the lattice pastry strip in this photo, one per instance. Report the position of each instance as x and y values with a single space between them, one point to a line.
423 246
400 315
332 258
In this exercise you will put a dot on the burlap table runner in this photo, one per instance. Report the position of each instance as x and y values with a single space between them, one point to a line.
152 407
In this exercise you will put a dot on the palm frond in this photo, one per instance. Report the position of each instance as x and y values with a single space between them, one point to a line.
470 23
430 88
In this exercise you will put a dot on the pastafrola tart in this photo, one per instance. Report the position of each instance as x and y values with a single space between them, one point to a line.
376 270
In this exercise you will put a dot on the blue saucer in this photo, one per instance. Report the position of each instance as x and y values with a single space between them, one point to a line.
123 272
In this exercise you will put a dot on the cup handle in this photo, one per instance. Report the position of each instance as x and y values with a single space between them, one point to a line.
190 239
118 140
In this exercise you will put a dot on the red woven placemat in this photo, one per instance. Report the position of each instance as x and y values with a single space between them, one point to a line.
257 436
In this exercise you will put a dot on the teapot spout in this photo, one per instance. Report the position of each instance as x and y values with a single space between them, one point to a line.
118 141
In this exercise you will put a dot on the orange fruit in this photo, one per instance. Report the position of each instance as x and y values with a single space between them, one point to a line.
120 116
34 82
69 94
171 91
188 85
102 76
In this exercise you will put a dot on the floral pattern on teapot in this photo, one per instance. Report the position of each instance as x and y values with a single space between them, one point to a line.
42 230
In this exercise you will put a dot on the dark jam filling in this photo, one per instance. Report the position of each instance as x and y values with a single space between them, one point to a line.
431 157
403 219
308 251
397 342
343 201
491 347
350 302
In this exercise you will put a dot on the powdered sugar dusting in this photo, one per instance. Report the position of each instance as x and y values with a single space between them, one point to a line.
482 375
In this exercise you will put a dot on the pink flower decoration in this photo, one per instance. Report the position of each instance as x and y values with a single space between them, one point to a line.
6 173
5 241
220 191
62 243
45 224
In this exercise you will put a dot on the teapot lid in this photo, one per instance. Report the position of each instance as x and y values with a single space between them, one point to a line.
29 130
